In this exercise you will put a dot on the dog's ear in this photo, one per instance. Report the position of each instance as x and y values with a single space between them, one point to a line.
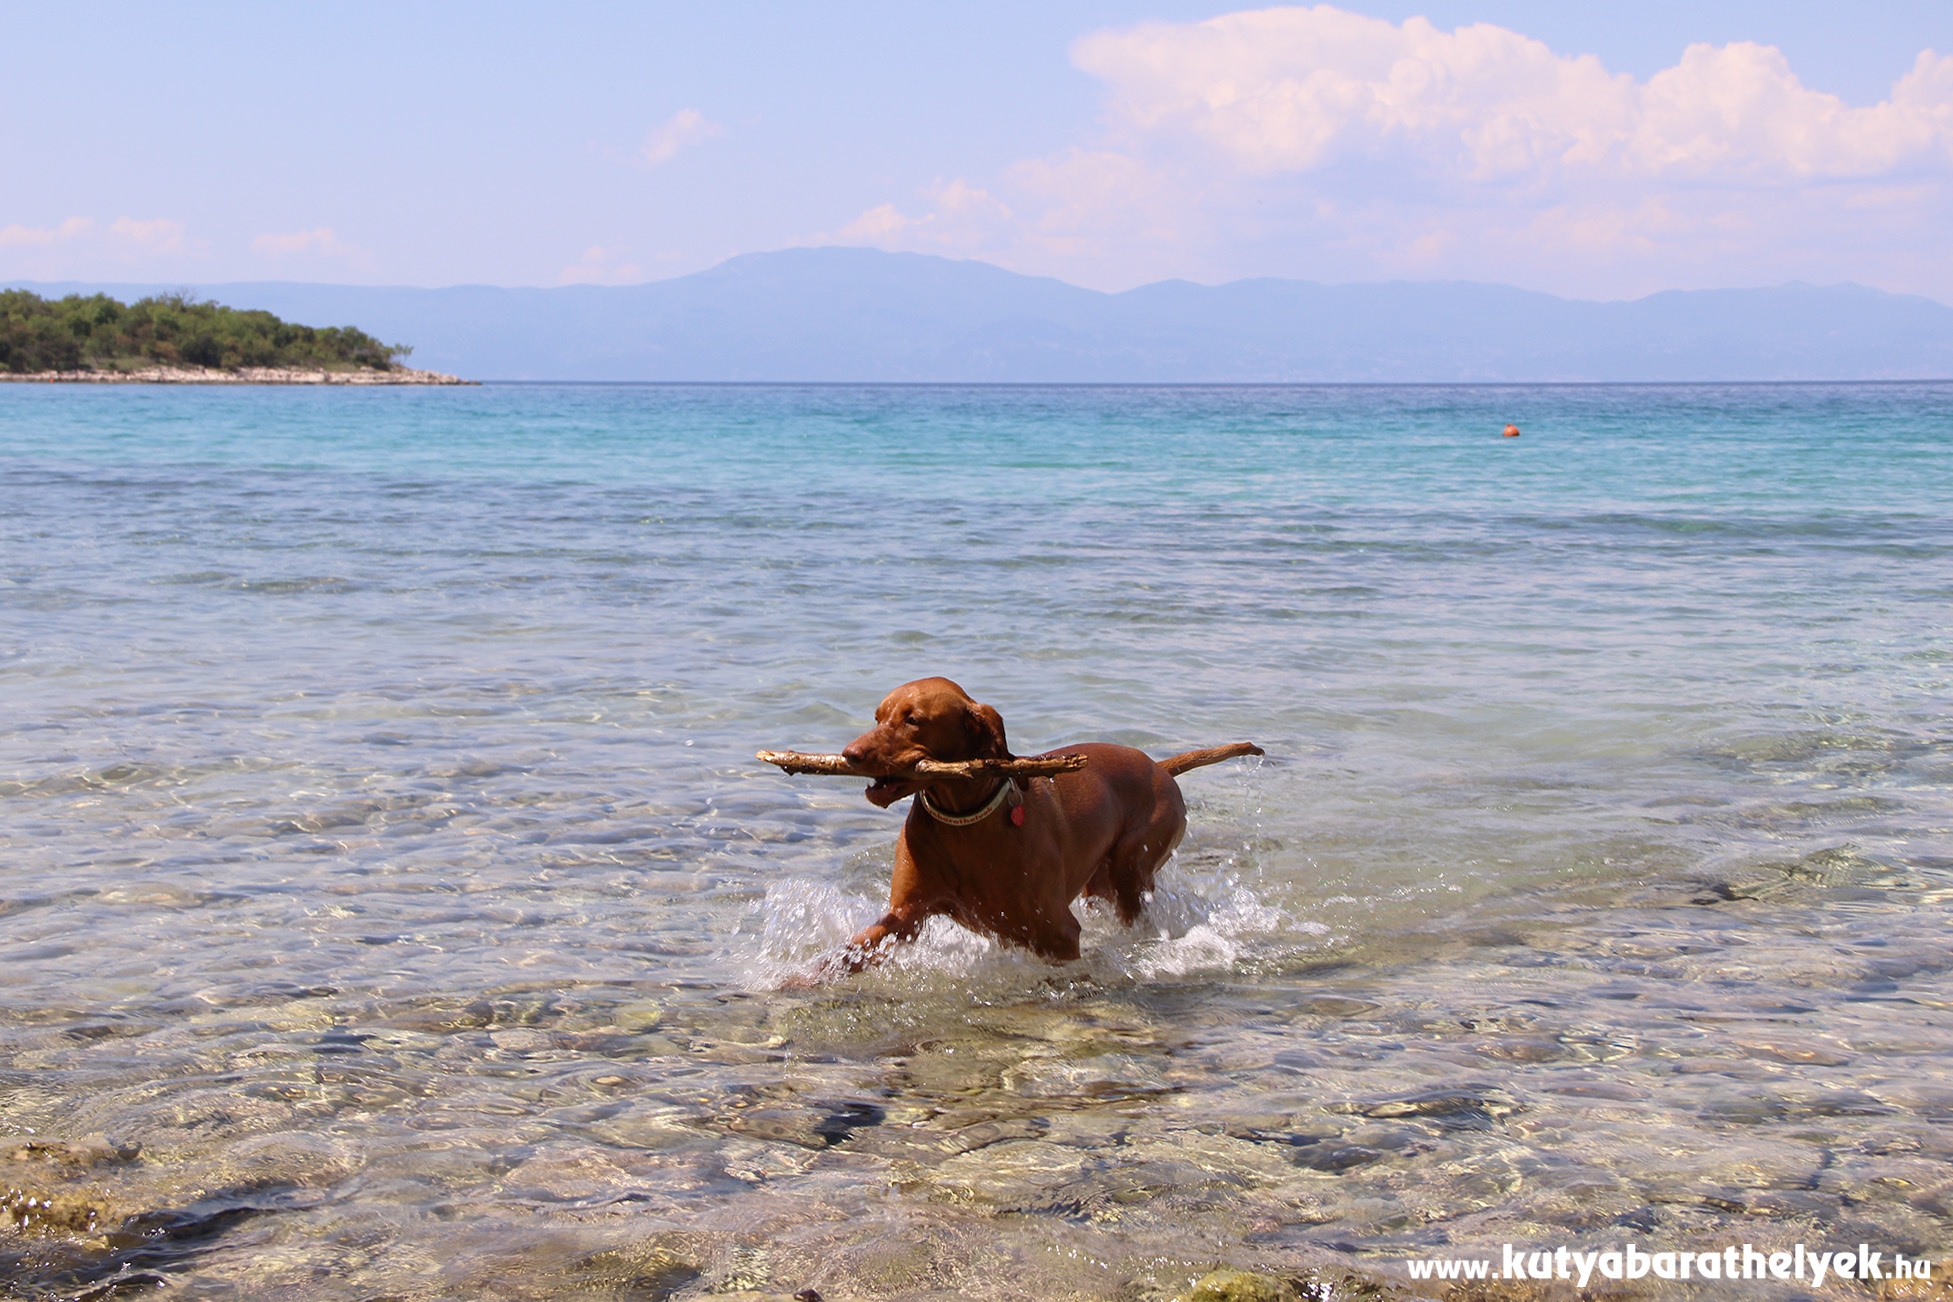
986 729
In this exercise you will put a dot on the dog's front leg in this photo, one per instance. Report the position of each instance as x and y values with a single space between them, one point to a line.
909 906
872 943
870 946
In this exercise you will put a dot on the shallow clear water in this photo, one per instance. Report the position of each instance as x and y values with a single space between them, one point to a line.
391 905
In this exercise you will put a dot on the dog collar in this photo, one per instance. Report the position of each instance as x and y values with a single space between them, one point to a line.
990 807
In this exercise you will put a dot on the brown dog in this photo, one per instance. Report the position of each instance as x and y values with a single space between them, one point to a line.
1007 858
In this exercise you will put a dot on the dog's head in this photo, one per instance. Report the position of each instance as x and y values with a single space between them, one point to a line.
928 719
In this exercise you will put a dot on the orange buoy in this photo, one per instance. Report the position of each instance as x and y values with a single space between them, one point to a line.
1512 431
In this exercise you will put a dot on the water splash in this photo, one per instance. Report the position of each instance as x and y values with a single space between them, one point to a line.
1203 921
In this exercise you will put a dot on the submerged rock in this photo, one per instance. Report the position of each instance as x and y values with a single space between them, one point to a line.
651 1272
41 1211
1243 1286
1462 1107
90 1150
815 1128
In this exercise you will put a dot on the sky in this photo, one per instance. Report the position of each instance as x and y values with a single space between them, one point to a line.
1594 150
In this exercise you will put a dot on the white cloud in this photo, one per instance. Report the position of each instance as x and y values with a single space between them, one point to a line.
156 235
601 266
1082 196
960 217
318 240
680 131
317 251
1296 90
45 236
883 225
79 247
1320 143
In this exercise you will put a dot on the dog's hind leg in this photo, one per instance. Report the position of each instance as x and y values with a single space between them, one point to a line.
1129 870
1131 873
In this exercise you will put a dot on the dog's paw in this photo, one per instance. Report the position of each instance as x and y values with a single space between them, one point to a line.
826 969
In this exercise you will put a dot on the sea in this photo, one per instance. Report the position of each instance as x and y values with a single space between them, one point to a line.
392 905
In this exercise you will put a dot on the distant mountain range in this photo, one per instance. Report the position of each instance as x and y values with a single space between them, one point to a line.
838 314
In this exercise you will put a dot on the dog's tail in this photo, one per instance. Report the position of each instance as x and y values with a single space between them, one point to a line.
1194 759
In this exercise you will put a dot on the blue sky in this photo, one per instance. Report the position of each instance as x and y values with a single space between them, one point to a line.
1595 150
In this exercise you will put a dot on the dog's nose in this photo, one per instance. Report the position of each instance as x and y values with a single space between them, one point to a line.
853 752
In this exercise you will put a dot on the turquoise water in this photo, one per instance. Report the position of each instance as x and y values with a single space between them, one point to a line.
389 886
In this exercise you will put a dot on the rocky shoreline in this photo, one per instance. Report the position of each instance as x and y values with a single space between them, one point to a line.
242 375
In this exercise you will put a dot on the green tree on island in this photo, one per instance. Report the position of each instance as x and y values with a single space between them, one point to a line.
97 333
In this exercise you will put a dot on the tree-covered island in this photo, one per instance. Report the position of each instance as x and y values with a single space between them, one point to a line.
180 337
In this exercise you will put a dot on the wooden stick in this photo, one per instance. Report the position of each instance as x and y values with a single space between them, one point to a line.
837 766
